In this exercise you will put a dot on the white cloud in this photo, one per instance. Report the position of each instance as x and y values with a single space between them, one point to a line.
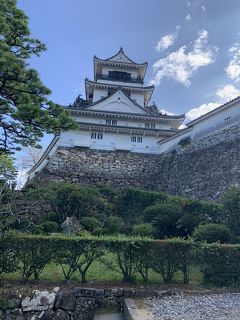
188 17
227 93
199 111
180 65
223 94
203 8
167 41
166 112
233 68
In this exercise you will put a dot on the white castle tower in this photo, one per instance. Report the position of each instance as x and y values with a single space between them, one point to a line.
115 114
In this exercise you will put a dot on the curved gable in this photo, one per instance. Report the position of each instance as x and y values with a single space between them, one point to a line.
118 102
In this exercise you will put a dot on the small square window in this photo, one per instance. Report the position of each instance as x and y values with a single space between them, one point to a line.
100 136
228 119
139 139
133 139
93 135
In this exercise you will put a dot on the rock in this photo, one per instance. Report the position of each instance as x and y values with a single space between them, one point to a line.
10 299
65 300
71 225
55 315
42 300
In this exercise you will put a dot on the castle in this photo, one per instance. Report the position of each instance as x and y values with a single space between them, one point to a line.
123 140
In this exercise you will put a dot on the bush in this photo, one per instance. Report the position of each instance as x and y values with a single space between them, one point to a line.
49 226
231 204
169 256
220 264
114 224
165 218
90 223
143 230
212 232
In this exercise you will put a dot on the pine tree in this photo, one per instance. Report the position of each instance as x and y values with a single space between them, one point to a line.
25 111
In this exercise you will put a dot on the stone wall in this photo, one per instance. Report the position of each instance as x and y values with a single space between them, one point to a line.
203 168
64 304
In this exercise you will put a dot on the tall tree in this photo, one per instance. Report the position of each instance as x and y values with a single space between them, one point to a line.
25 111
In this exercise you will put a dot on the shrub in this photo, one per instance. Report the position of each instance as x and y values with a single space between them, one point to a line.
231 204
114 224
165 218
50 226
98 232
169 256
8 261
220 264
90 223
77 256
212 232
33 253
143 230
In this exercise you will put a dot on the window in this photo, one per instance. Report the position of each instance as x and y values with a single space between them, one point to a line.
119 75
95 135
228 119
136 139
149 125
111 122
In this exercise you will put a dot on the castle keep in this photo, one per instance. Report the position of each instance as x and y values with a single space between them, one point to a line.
123 141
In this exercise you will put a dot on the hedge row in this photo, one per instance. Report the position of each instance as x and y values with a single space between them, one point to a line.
220 264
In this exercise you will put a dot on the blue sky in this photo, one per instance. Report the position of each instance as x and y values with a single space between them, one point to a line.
192 47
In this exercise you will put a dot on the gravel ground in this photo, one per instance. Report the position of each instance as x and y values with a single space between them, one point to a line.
222 306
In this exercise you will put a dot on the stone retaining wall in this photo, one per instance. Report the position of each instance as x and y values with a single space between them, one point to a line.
72 304
202 169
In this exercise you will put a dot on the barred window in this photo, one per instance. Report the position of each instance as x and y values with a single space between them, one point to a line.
95 135
136 139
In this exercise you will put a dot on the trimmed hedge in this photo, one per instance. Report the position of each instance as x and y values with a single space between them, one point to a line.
29 254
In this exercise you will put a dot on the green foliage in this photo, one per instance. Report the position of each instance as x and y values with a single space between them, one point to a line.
164 217
212 232
132 203
77 256
220 264
143 230
168 257
8 261
25 110
114 224
67 199
90 223
130 257
49 227
7 171
231 204
31 253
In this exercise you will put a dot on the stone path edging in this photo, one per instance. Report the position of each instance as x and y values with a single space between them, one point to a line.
132 312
